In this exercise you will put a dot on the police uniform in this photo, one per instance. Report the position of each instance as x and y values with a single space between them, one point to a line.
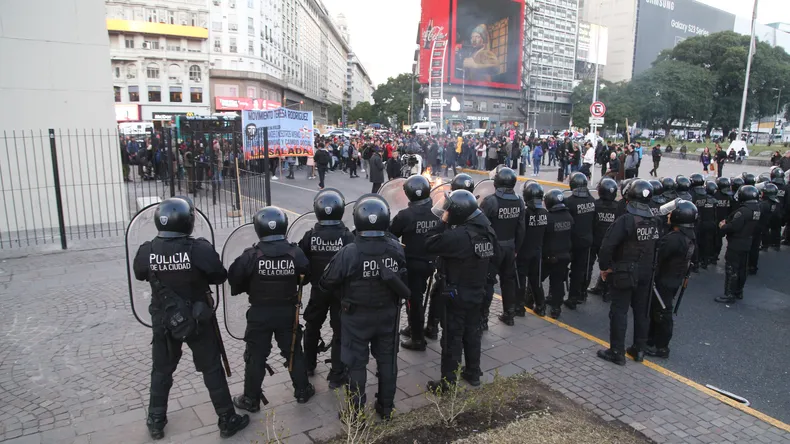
270 273
581 206
628 250
320 244
412 225
777 220
187 267
705 227
674 251
465 245
606 212
504 209
739 228
557 244
762 233
364 273
724 201
528 260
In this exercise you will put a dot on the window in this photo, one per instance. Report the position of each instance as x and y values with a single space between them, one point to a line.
196 95
232 24
151 15
116 71
217 44
495 105
131 72
232 3
134 93
250 26
117 91
175 94
216 26
129 43
194 73
252 92
509 106
250 48
233 47
193 19
151 44
499 33
262 50
171 17
174 72
175 46
154 94
152 71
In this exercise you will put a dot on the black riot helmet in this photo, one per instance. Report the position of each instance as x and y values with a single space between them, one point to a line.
777 173
668 183
658 189
533 194
640 191
711 187
462 181
417 188
371 216
460 206
624 187
329 206
764 177
505 178
770 192
724 185
747 193
174 217
607 189
578 180
682 184
697 180
271 224
555 200
748 178
684 215
735 184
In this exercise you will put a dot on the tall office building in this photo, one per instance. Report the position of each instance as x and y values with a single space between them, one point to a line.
159 58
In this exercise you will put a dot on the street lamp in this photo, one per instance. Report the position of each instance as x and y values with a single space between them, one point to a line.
463 95
778 99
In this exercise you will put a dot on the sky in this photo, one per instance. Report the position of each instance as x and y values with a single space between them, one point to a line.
383 32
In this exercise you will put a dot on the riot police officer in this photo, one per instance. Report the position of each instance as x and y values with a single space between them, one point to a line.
623 202
748 178
626 260
270 273
739 229
708 225
656 202
606 212
581 205
530 291
699 198
777 219
181 267
505 210
669 186
412 226
768 210
735 184
723 204
465 244
674 251
320 244
683 186
371 272
557 244
462 181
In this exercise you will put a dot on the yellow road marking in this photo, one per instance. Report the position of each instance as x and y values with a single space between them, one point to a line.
652 365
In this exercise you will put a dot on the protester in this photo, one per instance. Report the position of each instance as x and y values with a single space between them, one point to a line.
705 159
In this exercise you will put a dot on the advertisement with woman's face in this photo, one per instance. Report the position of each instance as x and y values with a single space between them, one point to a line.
487 43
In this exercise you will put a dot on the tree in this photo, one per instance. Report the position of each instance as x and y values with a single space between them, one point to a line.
618 98
363 111
392 98
335 113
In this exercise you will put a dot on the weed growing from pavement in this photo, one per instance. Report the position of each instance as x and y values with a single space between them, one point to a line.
359 425
273 432
450 399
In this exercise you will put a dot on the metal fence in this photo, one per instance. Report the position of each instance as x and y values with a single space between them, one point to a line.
60 186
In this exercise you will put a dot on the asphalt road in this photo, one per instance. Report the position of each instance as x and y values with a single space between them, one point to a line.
740 348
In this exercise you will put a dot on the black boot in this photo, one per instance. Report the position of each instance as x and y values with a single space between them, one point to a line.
384 412
612 356
635 353
244 402
726 299
406 331
414 344
471 376
555 312
441 386
540 310
337 380
304 395
658 352
231 423
432 331
522 312
156 426
507 318
570 303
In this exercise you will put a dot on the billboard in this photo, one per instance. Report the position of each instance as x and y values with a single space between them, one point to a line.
485 38
290 133
592 43
243 103
662 24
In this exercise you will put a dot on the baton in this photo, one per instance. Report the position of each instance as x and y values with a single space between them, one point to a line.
427 294
658 296
683 288
296 324
221 344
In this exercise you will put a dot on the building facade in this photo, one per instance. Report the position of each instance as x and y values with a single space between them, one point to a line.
358 84
159 58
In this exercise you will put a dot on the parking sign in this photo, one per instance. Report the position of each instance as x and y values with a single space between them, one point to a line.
597 109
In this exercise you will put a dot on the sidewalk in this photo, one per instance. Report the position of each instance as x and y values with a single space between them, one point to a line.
75 365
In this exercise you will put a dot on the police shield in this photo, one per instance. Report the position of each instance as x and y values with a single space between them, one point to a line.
235 307
348 216
483 189
142 229
438 193
393 193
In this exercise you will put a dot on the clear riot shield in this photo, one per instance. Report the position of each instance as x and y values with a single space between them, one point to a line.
235 307
392 192
437 194
348 216
142 229
483 189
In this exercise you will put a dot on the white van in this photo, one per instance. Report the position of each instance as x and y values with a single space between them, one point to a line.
425 128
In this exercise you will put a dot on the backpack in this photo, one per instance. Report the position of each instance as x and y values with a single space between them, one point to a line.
178 318
367 153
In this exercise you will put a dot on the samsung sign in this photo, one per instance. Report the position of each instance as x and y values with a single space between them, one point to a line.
662 24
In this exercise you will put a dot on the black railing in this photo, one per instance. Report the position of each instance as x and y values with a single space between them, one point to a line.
61 186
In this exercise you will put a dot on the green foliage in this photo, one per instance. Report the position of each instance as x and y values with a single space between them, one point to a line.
450 399
392 99
363 111
335 112
359 425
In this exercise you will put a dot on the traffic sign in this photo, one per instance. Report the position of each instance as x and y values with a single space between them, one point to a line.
597 109
596 120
